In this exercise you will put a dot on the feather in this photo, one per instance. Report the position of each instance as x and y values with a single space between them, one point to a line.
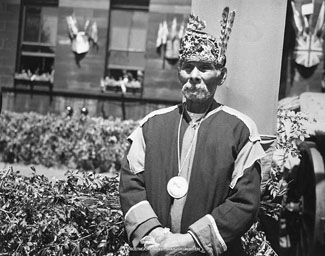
230 23
223 23
227 23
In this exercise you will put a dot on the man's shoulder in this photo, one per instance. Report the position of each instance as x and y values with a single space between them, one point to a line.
158 112
245 119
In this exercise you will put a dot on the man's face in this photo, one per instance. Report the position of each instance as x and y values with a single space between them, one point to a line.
200 80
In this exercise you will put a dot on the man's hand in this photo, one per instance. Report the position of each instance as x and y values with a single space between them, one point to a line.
154 237
175 244
159 233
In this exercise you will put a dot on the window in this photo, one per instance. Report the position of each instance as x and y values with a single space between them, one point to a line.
127 38
37 45
127 42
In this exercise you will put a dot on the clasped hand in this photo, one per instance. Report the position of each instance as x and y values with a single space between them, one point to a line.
161 242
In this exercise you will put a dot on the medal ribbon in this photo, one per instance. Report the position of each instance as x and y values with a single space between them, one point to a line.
196 127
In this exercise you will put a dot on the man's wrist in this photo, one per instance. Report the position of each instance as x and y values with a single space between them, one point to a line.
189 241
155 231
158 233
195 240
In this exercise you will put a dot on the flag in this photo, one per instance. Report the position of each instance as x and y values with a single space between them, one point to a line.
309 45
308 51
161 36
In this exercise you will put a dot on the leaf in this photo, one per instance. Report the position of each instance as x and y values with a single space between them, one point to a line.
33 169
102 243
47 214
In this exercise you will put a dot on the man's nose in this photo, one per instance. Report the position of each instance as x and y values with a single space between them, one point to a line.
195 75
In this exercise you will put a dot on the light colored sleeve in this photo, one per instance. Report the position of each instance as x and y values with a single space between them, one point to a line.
139 216
205 232
252 152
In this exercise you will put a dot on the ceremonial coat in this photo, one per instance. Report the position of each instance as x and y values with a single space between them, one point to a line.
224 186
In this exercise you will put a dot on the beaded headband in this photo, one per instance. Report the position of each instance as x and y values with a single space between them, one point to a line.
197 45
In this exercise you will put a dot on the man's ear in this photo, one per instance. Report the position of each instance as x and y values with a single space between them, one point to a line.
222 76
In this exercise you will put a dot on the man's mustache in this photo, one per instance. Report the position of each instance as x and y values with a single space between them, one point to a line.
193 86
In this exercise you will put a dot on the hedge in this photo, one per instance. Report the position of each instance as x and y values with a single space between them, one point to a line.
86 143
79 215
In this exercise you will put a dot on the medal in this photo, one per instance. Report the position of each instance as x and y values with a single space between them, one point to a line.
177 187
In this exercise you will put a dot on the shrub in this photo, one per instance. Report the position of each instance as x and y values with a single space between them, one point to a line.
88 144
76 216
292 129
81 215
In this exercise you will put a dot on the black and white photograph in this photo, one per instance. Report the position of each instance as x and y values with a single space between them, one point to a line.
162 127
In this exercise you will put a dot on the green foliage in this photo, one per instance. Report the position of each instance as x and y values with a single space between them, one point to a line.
76 216
88 144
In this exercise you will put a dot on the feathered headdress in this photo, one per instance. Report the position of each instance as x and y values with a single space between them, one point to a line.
197 45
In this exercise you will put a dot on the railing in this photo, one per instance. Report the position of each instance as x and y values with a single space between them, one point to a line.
122 99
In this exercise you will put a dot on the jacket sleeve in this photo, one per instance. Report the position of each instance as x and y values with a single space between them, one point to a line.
139 216
237 213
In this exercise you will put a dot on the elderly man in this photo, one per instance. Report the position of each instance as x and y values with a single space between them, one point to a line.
190 182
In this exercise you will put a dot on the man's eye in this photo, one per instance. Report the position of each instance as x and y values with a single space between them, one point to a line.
187 67
206 67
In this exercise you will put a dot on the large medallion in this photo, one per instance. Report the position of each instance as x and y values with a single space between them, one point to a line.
177 187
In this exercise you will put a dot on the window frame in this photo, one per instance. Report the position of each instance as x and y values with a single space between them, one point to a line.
113 67
43 55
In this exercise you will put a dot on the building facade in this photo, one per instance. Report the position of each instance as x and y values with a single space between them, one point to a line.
114 57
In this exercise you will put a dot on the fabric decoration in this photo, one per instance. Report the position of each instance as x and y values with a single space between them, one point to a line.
81 40
309 41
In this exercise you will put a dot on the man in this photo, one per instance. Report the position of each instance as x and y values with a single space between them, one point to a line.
190 182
